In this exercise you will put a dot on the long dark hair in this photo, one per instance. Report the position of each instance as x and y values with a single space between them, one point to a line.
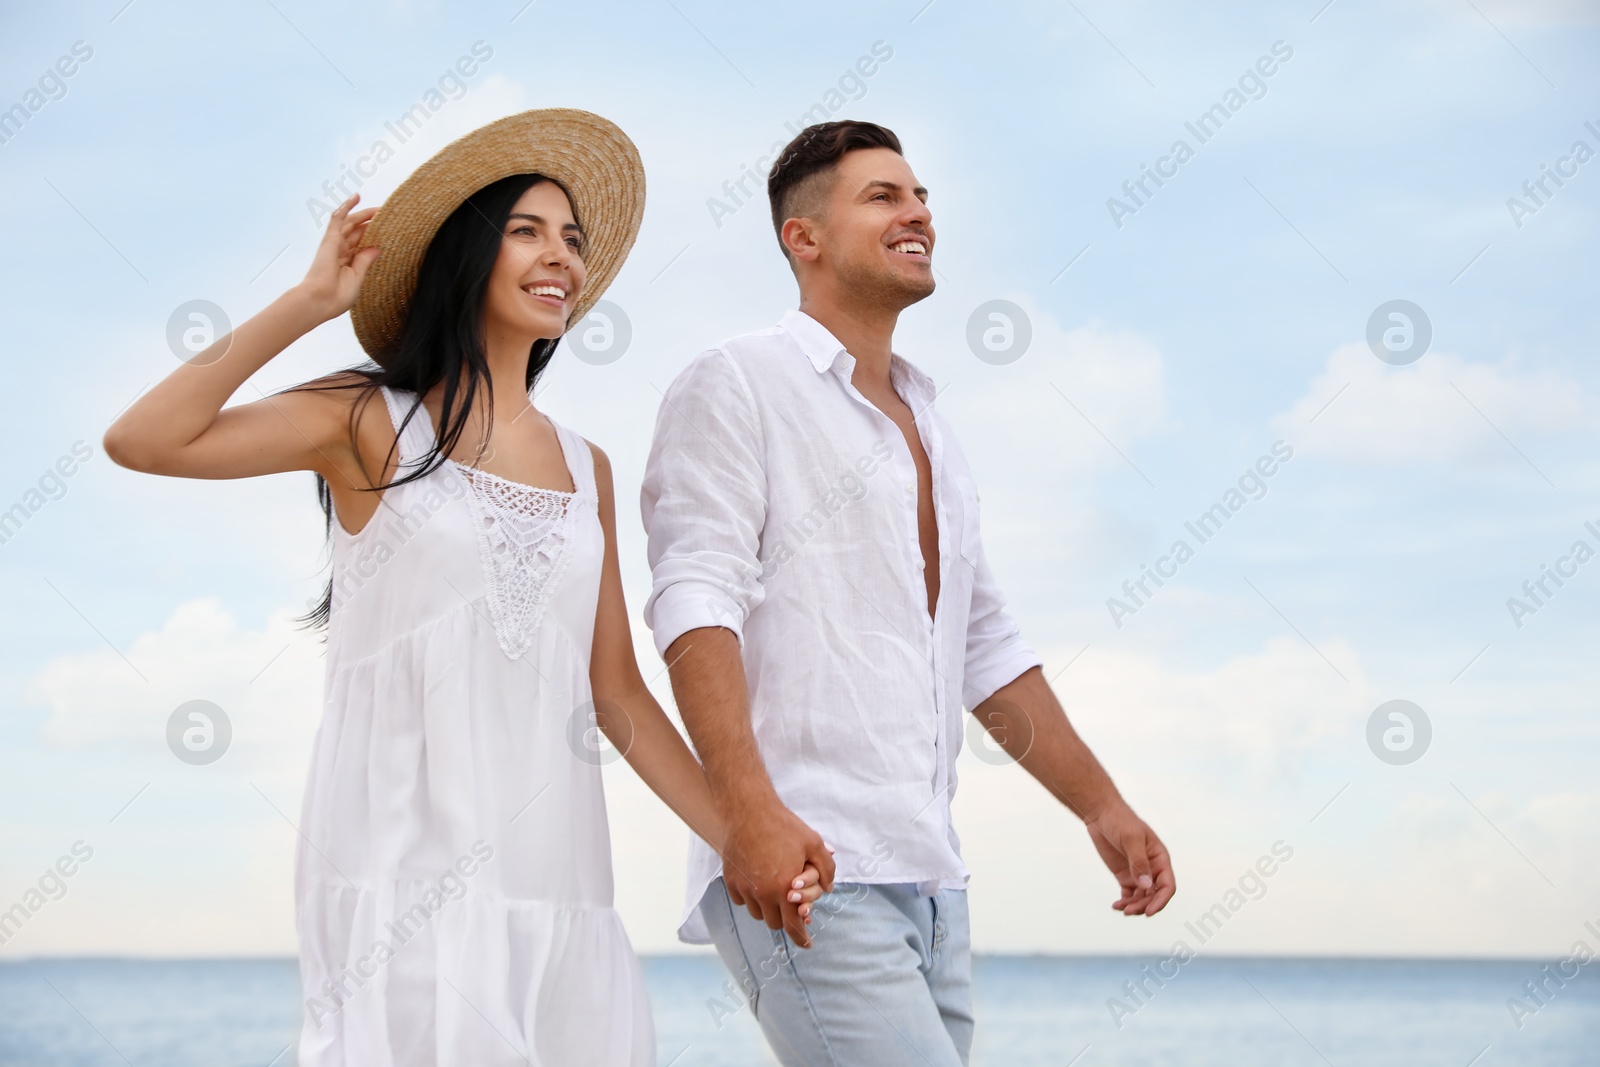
441 341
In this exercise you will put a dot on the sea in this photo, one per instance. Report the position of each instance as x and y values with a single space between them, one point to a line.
1061 1011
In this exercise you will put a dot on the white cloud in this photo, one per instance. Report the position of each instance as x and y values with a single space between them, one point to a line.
1205 756
1517 884
1220 762
268 681
1076 404
1440 409
1249 718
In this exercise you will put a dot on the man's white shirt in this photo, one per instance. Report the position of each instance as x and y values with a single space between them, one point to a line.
782 504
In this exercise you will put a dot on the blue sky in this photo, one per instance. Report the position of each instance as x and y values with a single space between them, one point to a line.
1168 354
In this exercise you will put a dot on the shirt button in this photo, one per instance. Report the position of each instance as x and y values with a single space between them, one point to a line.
910 488
922 564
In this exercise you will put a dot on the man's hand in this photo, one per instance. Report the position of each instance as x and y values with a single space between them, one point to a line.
1025 718
765 849
1133 852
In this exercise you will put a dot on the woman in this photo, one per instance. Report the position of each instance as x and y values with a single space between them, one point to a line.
453 876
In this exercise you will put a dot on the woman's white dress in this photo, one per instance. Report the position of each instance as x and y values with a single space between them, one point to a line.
453 875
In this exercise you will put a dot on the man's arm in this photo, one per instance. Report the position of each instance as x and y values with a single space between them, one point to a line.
1004 685
765 843
1027 721
704 503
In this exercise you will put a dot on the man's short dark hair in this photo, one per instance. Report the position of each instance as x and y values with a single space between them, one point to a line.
800 177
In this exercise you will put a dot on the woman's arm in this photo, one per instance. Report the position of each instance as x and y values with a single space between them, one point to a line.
641 732
179 428
633 720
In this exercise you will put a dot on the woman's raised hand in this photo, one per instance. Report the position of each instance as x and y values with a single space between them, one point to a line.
330 286
178 427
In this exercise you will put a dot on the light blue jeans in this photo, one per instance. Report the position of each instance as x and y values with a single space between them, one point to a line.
886 982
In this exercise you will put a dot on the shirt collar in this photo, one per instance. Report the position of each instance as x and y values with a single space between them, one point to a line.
823 350
814 339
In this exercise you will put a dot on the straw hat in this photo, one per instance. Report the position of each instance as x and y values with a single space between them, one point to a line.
590 156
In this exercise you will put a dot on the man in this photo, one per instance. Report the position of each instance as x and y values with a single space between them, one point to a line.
822 598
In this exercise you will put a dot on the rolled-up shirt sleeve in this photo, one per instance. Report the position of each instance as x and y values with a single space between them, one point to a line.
996 652
704 502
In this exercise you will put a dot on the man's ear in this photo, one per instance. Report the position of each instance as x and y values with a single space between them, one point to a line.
800 238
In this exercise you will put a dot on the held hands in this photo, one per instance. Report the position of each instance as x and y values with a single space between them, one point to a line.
1133 852
330 286
761 850
804 891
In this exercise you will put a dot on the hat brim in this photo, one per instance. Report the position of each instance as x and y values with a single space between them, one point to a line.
590 156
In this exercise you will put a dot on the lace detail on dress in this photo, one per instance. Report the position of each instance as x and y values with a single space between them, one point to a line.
523 538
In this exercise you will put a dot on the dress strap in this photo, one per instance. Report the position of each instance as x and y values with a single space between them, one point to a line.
580 459
416 440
